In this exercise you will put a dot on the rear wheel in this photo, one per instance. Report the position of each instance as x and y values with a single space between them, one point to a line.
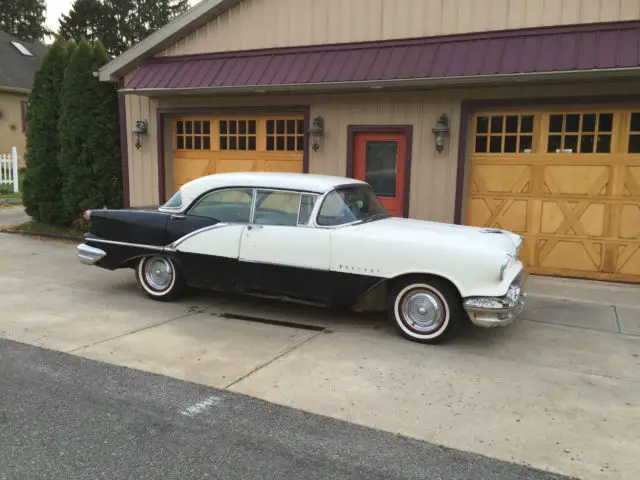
159 277
425 310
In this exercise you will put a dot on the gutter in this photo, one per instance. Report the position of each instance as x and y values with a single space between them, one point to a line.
25 91
522 78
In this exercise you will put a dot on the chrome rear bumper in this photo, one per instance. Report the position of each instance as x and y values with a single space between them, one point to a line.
90 255
489 312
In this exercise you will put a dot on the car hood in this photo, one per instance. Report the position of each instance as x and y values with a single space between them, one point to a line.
420 230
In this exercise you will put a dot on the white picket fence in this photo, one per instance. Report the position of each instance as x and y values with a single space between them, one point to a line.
9 169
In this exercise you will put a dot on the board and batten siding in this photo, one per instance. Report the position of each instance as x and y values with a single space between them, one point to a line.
256 24
433 176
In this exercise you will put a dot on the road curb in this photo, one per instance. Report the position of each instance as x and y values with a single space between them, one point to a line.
52 236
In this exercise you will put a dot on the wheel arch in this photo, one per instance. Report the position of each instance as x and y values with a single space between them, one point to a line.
376 297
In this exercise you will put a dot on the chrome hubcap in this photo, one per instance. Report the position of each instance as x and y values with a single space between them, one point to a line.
422 311
158 273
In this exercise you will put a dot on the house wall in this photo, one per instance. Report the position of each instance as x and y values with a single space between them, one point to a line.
11 134
257 24
433 176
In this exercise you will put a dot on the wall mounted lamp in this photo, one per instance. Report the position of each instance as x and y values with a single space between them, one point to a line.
138 130
316 132
440 130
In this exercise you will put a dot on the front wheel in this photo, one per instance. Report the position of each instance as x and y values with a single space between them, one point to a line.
425 310
159 277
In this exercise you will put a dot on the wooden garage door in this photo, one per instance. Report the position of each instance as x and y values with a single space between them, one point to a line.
568 181
207 145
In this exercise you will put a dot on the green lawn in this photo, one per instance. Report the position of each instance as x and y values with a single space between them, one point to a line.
35 227
6 191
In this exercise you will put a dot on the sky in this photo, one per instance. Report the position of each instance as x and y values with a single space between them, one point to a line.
55 8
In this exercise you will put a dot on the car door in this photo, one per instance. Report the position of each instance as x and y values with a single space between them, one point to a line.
281 253
209 254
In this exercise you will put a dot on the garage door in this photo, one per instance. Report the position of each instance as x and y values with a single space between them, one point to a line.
207 145
568 181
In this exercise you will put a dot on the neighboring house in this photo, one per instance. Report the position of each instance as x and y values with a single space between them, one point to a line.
19 61
540 103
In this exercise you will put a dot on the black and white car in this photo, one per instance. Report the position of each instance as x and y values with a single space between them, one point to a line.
314 238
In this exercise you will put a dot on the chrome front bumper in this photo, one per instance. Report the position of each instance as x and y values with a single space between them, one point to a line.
489 312
90 255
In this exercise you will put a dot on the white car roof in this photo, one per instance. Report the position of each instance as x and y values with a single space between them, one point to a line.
290 181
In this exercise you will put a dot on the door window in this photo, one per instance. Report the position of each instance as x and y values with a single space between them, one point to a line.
230 205
381 167
283 208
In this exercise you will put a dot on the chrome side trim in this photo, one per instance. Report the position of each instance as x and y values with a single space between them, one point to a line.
89 255
125 244
173 246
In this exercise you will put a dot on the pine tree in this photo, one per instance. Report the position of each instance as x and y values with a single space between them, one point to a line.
118 24
89 136
86 19
24 19
42 184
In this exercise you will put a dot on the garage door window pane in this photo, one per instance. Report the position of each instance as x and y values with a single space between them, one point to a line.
526 124
481 144
634 144
495 144
589 122
587 143
555 123
512 124
526 144
510 144
604 144
634 137
497 124
555 144
605 123
572 123
231 205
482 125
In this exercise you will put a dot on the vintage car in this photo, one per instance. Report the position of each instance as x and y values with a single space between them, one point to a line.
314 238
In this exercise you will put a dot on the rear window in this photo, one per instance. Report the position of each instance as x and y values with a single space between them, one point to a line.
175 201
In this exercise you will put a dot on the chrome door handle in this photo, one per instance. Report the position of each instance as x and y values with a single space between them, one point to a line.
254 227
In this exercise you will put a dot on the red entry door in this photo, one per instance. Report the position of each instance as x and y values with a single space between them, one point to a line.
379 159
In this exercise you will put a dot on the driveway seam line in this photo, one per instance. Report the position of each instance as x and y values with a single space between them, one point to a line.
590 329
615 313
137 330
273 360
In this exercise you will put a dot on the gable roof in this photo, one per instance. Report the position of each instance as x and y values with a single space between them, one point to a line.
195 17
17 70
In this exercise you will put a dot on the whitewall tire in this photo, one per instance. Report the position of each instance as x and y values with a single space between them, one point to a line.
159 277
425 310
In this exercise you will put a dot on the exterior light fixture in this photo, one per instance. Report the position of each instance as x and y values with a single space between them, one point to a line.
440 130
316 132
139 130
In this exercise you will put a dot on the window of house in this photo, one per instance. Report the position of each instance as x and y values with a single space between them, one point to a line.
285 135
21 48
504 133
230 205
24 108
193 135
238 134
580 133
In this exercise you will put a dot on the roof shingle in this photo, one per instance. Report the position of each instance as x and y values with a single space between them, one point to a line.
18 70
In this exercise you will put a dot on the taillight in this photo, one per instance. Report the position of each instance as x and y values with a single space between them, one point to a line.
86 214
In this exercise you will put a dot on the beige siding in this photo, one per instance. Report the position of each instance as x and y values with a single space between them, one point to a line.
11 134
433 176
283 23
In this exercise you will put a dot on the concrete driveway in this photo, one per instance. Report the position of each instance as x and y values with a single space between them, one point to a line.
558 397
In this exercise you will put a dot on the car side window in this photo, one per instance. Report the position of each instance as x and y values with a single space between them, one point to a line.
276 208
306 207
231 205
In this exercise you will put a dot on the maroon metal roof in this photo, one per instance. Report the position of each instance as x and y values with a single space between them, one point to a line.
528 51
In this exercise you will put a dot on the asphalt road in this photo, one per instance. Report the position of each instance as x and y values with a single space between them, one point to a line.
64 417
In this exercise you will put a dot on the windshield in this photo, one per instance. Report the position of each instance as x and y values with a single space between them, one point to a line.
349 205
